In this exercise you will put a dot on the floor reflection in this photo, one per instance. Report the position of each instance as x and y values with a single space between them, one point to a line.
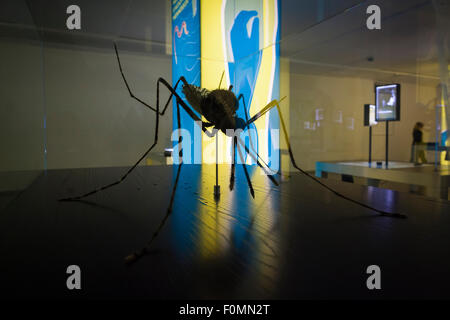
237 227
384 199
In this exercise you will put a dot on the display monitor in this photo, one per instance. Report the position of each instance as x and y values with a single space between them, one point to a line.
369 115
387 102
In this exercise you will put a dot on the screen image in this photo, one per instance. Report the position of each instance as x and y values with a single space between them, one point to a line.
387 102
369 115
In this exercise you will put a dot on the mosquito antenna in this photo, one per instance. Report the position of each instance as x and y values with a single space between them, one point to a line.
221 78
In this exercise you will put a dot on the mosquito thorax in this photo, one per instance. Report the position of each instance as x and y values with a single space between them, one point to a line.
227 98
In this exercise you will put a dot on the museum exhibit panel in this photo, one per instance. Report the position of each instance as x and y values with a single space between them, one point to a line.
224 149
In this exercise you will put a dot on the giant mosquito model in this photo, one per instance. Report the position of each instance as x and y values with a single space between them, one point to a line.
219 108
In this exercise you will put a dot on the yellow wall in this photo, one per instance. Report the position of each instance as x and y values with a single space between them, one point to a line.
213 64
264 83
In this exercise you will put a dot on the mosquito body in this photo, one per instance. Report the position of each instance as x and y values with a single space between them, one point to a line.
217 106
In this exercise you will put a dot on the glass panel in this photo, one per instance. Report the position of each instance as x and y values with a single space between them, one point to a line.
334 67
65 105
22 106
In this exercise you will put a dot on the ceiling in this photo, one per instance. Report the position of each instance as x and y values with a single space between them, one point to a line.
140 22
405 47
144 20
317 36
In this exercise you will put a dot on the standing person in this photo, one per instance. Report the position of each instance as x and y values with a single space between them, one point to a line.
417 148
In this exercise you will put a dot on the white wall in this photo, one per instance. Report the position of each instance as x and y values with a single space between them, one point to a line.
341 134
21 107
92 121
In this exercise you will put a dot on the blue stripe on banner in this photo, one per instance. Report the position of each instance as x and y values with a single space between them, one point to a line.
186 62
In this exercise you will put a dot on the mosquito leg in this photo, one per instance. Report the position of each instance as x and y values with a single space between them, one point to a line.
138 254
158 113
155 141
159 80
246 173
233 164
276 104
268 174
241 97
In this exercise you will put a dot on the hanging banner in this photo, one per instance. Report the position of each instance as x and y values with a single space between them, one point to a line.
186 63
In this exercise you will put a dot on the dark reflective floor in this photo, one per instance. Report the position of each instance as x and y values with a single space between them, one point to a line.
292 241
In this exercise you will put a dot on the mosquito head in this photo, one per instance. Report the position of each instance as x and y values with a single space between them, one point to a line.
240 123
230 126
